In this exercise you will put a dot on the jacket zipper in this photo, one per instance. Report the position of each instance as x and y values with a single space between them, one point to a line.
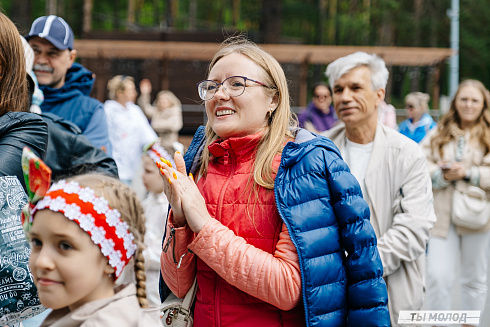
170 238
291 235
216 302
227 160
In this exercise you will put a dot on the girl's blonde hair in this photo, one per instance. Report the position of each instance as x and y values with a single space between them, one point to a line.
480 132
280 121
420 100
170 96
122 198
117 83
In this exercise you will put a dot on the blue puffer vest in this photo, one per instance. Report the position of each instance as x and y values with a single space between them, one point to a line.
321 204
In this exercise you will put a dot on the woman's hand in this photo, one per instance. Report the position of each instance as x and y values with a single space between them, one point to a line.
145 86
182 192
453 172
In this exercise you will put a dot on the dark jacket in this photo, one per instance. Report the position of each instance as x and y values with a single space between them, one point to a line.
328 221
71 153
72 102
17 130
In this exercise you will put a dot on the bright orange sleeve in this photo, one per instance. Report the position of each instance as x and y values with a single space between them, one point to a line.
273 278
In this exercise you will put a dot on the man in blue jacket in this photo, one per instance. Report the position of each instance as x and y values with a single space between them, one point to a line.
66 84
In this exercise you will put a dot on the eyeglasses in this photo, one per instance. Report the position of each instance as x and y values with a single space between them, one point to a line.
234 86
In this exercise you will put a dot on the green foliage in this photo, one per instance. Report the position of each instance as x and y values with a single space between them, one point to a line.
345 22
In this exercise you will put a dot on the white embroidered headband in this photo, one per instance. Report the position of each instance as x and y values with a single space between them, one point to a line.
93 214
156 151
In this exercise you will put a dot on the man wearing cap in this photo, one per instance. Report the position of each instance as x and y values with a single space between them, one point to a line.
66 84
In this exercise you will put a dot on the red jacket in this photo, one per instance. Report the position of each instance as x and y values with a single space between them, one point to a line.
221 300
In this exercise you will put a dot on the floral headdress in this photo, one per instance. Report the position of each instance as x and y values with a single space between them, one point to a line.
93 214
155 151
79 204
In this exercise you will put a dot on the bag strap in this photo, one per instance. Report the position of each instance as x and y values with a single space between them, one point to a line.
190 296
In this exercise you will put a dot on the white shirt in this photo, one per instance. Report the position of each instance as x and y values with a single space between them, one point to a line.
156 207
357 158
129 132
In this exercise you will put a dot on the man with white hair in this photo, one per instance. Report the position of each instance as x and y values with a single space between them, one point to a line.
393 174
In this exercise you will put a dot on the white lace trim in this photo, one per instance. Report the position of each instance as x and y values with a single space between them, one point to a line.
86 221
156 152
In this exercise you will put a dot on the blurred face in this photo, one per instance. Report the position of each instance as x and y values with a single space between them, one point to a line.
163 102
469 104
354 99
68 268
322 97
151 176
245 114
50 63
128 94
414 111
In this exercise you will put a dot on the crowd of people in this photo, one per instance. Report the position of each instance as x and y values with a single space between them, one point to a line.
336 217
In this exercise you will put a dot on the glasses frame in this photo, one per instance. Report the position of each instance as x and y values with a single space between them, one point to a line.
224 88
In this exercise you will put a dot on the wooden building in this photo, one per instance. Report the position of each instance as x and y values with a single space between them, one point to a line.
178 66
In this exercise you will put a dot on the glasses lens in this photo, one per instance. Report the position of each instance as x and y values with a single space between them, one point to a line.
234 85
207 89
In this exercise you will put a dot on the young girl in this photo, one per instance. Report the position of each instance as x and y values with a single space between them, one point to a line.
155 205
85 231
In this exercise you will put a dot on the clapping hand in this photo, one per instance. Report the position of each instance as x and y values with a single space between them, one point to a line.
188 205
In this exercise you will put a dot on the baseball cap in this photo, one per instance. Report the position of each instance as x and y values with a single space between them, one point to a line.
54 29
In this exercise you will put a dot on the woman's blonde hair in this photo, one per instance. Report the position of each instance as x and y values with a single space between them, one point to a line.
419 99
122 198
13 82
279 121
480 131
170 96
117 83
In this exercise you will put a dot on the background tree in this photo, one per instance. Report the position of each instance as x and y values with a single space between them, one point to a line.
416 23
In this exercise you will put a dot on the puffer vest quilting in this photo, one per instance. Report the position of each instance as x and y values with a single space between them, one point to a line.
253 216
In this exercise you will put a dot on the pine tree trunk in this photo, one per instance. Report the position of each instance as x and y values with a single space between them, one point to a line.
87 16
271 21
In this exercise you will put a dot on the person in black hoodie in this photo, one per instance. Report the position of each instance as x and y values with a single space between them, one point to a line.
18 127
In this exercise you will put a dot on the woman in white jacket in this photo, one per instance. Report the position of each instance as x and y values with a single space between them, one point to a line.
165 115
458 152
129 130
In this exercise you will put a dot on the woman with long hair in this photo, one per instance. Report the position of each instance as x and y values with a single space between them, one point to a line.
18 127
274 228
458 151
